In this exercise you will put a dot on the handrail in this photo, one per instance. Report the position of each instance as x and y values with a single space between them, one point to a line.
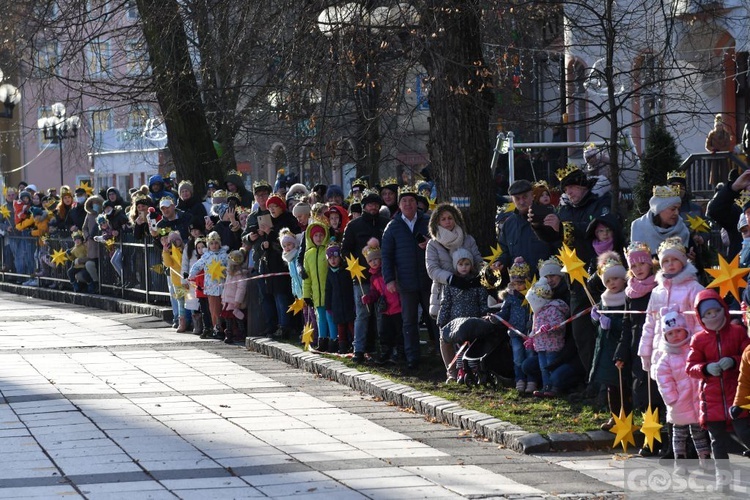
698 167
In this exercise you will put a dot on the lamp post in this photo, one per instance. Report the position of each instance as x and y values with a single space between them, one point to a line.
58 127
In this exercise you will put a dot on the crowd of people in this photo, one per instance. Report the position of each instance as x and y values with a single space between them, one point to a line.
643 323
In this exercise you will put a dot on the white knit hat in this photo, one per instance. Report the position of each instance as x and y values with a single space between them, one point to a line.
551 266
663 198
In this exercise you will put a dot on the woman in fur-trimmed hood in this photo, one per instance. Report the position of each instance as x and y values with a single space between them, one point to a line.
93 206
447 234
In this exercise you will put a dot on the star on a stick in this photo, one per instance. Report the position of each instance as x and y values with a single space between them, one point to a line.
651 428
158 268
307 335
86 187
729 277
623 430
109 244
5 212
296 306
59 257
698 224
216 270
572 265
496 252
355 268
508 207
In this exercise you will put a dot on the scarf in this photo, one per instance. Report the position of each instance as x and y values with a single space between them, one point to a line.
603 246
289 257
450 239
638 288
613 299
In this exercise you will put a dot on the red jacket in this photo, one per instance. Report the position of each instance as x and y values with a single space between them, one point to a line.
716 393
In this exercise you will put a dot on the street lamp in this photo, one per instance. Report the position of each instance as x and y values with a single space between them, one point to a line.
10 96
57 128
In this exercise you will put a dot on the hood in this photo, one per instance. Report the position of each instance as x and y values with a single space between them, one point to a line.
710 293
113 190
237 181
689 272
609 220
435 218
154 179
308 240
90 201
343 214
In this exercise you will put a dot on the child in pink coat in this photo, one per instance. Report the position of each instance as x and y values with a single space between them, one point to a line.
233 296
680 391
677 284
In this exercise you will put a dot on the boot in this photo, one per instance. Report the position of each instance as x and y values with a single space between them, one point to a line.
322 345
333 346
93 287
197 323
343 347
229 332
181 324
240 331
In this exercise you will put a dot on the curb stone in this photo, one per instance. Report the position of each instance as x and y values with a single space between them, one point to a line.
441 410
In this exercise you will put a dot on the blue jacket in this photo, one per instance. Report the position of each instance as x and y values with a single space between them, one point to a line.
403 260
340 295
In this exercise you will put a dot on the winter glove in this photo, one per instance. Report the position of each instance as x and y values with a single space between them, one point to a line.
309 302
366 299
605 322
459 282
713 369
529 343
595 315
736 412
726 363
646 364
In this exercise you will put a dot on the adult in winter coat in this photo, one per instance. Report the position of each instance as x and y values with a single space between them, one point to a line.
714 359
93 207
156 190
662 220
189 203
448 234
404 269
356 235
234 184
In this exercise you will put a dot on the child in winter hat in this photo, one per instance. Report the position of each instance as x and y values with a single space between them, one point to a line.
514 311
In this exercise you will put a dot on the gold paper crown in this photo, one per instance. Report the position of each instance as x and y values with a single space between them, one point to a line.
637 246
237 256
213 236
568 233
234 172
163 231
390 181
361 182
673 243
565 171
407 190
541 184
519 270
201 239
65 190
220 193
552 260
212 181
541 289
77 234
261 183
743 199
608 264
665 192
674 174
369 192
138 197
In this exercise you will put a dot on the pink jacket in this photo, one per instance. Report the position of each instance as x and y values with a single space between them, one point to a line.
234 290
679 391
551 314
679 291
378 288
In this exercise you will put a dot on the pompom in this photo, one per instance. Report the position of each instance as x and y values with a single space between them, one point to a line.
373 243
518 260
606 257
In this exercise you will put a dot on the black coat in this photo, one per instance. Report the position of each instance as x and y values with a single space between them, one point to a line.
358 232
269 259
340 295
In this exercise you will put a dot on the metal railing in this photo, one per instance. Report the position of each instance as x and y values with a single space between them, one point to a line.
24 258
698 167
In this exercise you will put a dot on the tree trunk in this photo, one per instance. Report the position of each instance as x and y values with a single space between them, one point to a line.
178 94
460 100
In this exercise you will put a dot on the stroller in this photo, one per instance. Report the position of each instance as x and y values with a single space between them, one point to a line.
485 356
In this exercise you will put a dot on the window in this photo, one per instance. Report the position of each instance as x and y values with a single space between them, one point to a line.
576 82
137 58
47 58
97 58
101 123
137 118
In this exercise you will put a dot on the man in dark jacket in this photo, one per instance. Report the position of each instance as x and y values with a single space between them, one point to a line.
404 271
356 235
571 223
174 219
723 209
517 238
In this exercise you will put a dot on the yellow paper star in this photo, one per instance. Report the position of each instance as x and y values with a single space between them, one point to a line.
572 265
86 187
5 212
59 257
651 428
698 224
307 335
508 207
158 268
296 306
729 277
623 430
433 203
176 254
355 268
109 244
216 270
496 252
